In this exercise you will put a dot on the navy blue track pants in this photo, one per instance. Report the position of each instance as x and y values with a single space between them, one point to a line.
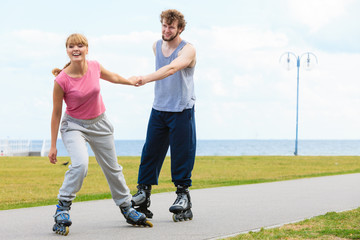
174 129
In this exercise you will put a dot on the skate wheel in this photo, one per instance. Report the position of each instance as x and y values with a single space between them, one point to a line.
61 230
66 231
175 218
149 224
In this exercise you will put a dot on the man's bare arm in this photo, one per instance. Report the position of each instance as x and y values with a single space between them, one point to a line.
186 58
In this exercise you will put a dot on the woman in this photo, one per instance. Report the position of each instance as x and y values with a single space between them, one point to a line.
85 121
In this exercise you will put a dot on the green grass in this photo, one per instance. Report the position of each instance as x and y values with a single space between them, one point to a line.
344 225
33 181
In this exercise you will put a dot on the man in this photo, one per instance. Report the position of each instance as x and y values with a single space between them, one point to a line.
172 121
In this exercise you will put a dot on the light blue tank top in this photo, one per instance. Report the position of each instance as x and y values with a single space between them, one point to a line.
176 92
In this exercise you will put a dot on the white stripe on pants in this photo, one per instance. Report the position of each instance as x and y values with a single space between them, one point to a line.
98 133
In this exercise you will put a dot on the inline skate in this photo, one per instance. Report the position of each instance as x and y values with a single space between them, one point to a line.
134 217
141 200
181 208
62 218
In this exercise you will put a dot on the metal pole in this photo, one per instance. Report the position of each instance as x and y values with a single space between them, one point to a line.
297 108
288 65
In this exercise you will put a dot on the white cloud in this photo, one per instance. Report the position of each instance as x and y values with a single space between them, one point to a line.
213 77
316 14
132 38
246 81
238 39
29 45
37 37
242 91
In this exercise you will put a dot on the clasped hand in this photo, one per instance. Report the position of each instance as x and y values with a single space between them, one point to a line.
136 81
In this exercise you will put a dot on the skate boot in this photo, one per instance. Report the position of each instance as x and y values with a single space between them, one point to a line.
141 200
134 217
182 205
62 218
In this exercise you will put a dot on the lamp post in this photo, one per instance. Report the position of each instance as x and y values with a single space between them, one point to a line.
288 60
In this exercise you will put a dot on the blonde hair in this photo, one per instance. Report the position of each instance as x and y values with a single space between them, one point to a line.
75 38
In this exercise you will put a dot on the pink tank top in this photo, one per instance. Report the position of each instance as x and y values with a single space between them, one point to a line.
82 95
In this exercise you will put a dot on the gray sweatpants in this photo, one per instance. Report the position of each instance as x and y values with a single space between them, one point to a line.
98 133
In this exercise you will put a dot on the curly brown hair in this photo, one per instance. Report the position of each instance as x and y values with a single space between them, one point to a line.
172 15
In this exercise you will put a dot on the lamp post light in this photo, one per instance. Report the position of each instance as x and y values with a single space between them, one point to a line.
288 60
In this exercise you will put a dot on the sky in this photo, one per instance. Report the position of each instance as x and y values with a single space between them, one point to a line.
242 89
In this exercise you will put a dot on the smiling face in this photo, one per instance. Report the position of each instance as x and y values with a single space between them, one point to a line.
77 52
173 24
77 47
170 31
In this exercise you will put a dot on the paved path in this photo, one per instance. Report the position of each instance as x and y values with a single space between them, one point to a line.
217 212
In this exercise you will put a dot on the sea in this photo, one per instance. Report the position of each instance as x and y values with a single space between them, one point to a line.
247 148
